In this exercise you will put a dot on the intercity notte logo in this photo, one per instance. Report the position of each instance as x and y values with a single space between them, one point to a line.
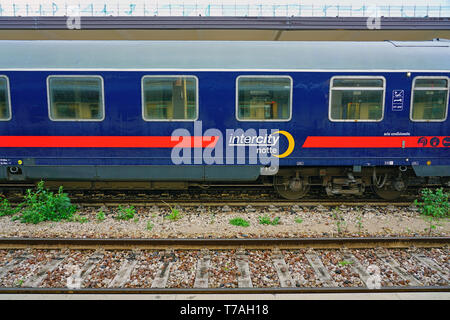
267 143
234 146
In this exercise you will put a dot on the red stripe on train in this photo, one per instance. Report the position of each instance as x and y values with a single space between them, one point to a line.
377 142
107 141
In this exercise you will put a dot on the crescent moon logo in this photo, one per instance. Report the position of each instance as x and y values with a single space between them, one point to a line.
290 147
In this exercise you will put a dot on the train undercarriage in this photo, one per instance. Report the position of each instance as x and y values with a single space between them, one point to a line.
388 183
292 183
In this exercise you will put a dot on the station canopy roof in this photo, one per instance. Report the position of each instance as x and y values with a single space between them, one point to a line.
284 20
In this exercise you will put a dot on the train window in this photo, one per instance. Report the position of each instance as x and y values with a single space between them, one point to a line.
264 98
75 98
5 104
172 98
429 100
357 98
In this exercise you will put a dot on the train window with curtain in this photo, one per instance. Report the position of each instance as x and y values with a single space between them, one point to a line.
357 98
75 98
5 103
170 98
429 100
264 98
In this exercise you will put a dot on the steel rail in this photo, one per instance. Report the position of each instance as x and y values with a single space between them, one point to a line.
194 203
223 243
277 290
235 203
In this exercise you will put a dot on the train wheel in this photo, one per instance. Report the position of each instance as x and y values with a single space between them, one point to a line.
387 194
291 188
388 187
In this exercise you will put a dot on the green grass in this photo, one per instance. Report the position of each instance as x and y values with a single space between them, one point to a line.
6 209
77 218
100 216
43 205
266 220
434 203
174 213
298 220
18 282
345 263
240 222
126 213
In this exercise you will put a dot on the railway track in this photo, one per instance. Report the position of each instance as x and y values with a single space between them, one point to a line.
224 244
224 265
236 194
245 206
99 201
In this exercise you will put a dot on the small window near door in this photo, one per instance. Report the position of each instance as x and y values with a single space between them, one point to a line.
429 99
357 99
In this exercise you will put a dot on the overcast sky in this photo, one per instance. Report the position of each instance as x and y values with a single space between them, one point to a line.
240 2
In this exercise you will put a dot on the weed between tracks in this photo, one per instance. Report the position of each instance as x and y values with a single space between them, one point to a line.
240 222
125 213
100 216
77 218
434 205
41 205
267 220
340 222
6 209
174 213
345 263
298 220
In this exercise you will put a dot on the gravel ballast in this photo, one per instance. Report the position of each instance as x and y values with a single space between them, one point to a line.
20 268
214 222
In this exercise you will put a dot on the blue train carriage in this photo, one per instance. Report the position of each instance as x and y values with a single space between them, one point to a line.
346 116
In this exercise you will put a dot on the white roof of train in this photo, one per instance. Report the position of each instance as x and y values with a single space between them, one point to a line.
224 55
